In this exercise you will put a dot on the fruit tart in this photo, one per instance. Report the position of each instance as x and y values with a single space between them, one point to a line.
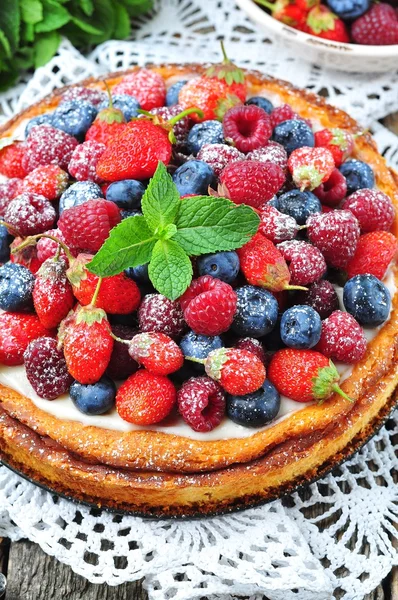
198 289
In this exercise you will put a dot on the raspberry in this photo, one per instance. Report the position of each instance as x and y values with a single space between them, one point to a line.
336 235
47 145
373 209
247 127
374 253
11 161
17 331
321 296
209 305
277 226
310 167
156 352
180 129
332 191
47 248
158 313
30 213
146 86
49 181
342 338
78 92
8 191
238 371
272 152
84 160
145 398
46 368
121 365
201 403
87 226
377 27
254 346
306 263
251 182
218 156
282 113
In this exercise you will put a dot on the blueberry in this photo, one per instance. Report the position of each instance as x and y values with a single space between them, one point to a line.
127 104
74 117
300 327
367 299
274 202
78 193
208 132
198 346
125 214
193 177
257 409
256 312
349 9
299 205
263 103
5 240
173 92
293 134
95 398
126 193
16 287
45 119
139 274
358 175
222 265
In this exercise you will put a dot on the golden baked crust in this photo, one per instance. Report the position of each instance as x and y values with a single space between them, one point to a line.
156 473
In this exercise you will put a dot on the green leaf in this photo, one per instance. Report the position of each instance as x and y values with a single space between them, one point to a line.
130 244
5 44
27 32
54 17
99 26
122 22
161 201
45 47
87 27
87 7
31 11
208 224
10 21
170 269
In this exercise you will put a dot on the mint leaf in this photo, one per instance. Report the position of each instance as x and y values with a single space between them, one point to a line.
87 7
54 17
207 224
122 22
129 244
161 201
45 47
10 21
170 269
31 11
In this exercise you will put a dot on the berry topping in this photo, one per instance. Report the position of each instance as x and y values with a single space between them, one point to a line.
310 167
78 193
358 175
375 251
338 141
49 181
222 265
17 331
5 239
30 213
126 194
46 145
78 92
379 26
194 345
74 117
83 163
342 338
262 102
95 398
127 105
158 313
272 152
306 263
255 409
52 293
8 191
277 226
218 156
256 312
251 182
238 371
121 365
254 346
45 119
293 134
172 95
282 113
207 94
333 191
16 288
373 209
47 248
12 161
299 205
349 9
323 23
367 299
145 86
157 352
193 178
145 398
322 296
46 368
300 327
247 127
336 235
201 403
208 132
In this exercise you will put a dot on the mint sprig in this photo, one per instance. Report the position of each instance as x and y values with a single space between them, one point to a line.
170 231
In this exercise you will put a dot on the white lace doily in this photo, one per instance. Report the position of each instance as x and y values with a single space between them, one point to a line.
279 550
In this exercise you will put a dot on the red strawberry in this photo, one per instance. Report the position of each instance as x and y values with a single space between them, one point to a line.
11 161
27 256
201 403
323 23
46 145
49 181
83 163
290 13
342 338
87 341
17 331
145 398
377 27
157 352
304 375
374 253
336 234
254 346
251 182
339 142
52 293
247 127
332 191
239 372
146 86
310 167
108 123
373 209
306 263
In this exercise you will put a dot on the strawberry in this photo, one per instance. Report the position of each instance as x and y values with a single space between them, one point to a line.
27 256
52 293
107 124
145 398
239 372
310 167
87 342
323 23
157 352
17 331
374 253
304 375
48 180
11 161
290 13
146 86
339 142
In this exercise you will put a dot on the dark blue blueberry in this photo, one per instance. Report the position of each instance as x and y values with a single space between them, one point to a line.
126 193
208 132
127 104
125 214
138 274
95 398
367 299
300 327
5 240
349 10
193 177
198 346
274 202
358 175
222 265
256 312
173 92
299 205
16 287
45 119
74 117
78 193
293 134
257 409
263 103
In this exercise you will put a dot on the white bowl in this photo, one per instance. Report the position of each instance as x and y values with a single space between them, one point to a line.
334 55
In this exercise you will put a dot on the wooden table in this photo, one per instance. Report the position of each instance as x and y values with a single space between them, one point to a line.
32 575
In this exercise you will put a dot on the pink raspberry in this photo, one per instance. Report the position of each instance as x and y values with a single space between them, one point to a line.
201 403
30 214
251 182
306 263
8 191
342 338
46 368
121 365
78 92
336 234
272 152
282 113
254 346
209 305
84 161
332 191
322 296
47 145
218 156
277 226
146 86
158 313
247 127
373 209
47 248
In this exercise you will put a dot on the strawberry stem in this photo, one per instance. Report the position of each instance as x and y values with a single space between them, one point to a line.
118 339
108 91
201 361
10 228
185 113
224 54
32 239
296 287
336 388
97 289
268 5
